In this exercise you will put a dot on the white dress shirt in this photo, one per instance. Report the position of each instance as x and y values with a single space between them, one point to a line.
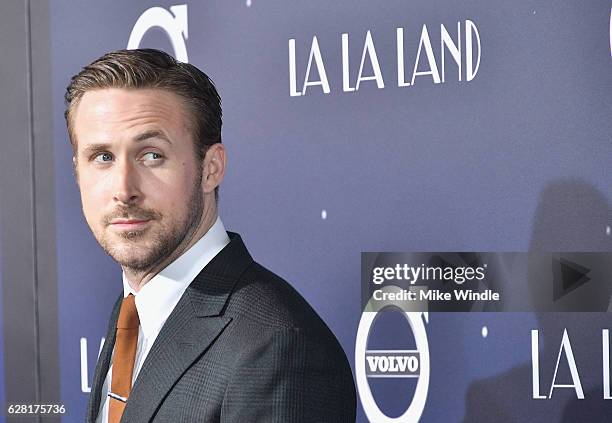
158 297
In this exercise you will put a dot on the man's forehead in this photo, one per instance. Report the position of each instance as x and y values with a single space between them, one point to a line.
108 101
103 111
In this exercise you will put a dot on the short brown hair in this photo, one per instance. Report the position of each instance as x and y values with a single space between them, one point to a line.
150 68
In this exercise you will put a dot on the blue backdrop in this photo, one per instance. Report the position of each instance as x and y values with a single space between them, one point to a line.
513 157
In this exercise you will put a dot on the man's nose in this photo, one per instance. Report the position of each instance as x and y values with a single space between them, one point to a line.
126 183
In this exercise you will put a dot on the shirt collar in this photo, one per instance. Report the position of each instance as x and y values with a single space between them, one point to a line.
158 297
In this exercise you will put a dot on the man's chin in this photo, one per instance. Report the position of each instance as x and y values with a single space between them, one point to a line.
134 262
133 256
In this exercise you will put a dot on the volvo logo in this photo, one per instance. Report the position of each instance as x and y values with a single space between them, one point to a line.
392 363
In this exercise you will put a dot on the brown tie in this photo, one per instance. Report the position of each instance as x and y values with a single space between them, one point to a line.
123 359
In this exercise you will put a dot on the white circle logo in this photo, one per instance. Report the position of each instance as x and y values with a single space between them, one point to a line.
392 363
174 24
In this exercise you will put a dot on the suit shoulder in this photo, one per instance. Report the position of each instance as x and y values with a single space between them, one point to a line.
266 299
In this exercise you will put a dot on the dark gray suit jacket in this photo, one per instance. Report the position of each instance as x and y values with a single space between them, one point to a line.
241 346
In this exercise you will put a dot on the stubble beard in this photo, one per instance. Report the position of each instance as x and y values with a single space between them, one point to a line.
161 242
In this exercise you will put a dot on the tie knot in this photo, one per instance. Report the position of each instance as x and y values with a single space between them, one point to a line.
128 315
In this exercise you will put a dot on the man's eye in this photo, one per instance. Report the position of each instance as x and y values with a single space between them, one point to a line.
152 156
103 157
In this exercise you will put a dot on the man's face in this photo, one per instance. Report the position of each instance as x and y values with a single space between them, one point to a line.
140 180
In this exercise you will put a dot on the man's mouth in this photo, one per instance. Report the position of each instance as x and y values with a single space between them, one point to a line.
129 224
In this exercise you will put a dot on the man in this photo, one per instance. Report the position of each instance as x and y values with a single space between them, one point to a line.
201 332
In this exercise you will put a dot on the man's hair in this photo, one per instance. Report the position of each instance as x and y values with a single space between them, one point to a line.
149 68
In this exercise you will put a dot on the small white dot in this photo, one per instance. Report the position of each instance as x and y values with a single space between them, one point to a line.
323 214
534 12
249 3
485 332
608 230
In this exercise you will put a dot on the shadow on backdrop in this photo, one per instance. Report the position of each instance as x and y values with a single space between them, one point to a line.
571 216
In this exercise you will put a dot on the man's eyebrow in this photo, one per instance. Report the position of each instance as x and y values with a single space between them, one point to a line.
103 147
95 148
151 134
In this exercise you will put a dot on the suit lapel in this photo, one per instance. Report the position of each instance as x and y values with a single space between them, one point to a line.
191 328
93 405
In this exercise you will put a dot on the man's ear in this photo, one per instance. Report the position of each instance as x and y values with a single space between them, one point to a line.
74 169
213 171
